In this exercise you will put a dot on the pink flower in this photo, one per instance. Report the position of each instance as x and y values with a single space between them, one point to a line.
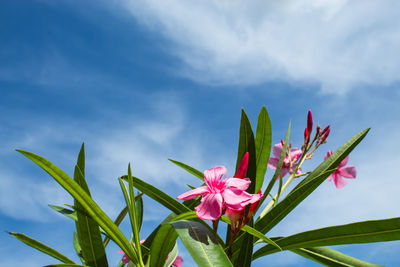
218 194
178 261
342 171
295 154
125 258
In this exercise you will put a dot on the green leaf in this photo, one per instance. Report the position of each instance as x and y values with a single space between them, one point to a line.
78 248
263 146
172 256
246 144
139 210
331 257
42 247
252 231
88 204
118 221
88 231
188 168
311 182
132 214
164 242
67 212
159 196
201 244
360 232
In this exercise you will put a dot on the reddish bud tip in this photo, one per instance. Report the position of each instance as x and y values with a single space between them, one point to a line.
305 134
326 129
323 139
309 122
283 143
242 169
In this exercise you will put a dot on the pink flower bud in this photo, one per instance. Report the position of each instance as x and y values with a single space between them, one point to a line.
241 171
323 139
309 122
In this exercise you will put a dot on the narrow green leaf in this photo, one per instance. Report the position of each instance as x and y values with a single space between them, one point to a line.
247 144
88 231
78 248
159 196
312 181
117 222
139 210
201 244
164 242
172 256
132 213
128 204
263 146
41 247
252 231
67 212
188 168
72 215
360 232
331 257
88 204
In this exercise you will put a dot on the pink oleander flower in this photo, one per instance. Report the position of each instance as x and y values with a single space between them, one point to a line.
342 171
219 194
125 258
295 154
178 261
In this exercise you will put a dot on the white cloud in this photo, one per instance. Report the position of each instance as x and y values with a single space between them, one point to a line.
146 141
337 44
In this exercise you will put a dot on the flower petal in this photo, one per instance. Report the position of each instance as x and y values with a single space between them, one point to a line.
178 261
193 193
340 181
328 154
277 150
233 197
295 154
272 163
242 184
343 163
210 207
213 175
348 172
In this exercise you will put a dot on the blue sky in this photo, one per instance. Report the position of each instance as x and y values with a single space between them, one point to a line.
144 81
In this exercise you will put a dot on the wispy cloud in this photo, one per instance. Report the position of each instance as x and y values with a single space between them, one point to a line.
335 44
146 141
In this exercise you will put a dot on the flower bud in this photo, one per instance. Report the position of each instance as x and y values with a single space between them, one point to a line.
309 122
241 171
323 139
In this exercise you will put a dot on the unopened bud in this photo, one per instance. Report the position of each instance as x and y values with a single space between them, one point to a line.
318 130
323 139
309 122
326 129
